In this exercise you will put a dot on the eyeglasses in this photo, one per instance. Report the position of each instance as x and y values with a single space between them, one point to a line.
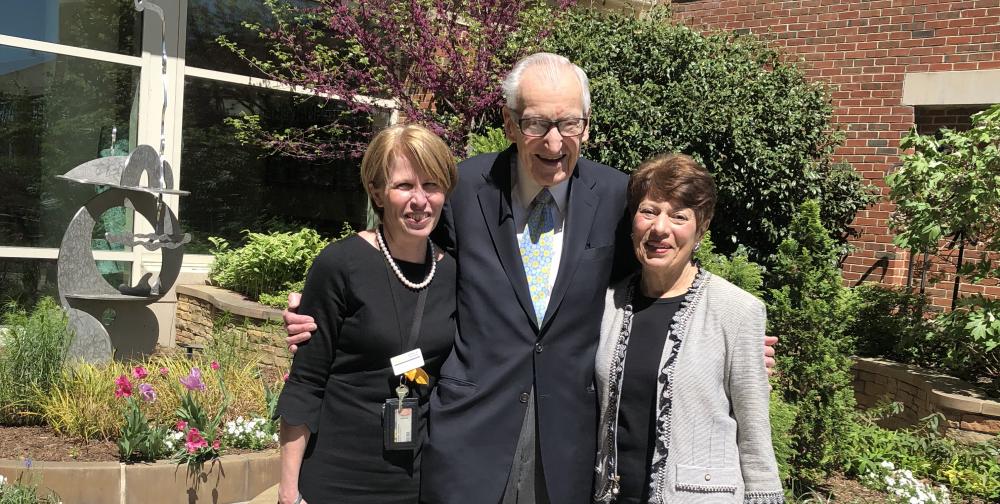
539 127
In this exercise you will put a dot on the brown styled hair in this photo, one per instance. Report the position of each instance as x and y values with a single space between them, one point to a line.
678 179
428 154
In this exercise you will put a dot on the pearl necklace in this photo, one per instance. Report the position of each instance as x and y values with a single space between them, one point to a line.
395 267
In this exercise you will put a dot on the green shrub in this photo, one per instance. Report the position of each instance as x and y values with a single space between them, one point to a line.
759 125
890 323
32 353
738 269
893 324
267 263
969 470
967 341
490 140
782 436
811 312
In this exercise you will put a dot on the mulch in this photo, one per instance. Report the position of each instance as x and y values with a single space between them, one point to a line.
42 443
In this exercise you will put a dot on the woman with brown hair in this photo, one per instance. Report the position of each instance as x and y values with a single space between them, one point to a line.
683 390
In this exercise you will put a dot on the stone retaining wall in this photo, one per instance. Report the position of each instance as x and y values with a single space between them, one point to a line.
970 414
230 479
200 306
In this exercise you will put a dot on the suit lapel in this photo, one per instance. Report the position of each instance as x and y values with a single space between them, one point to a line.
579 218
494 202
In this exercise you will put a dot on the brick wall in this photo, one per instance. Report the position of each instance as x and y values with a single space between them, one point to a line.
863 49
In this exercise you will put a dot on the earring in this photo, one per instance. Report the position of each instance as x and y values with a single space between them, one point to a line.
697 247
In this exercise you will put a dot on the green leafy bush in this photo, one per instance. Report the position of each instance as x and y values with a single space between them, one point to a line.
267 264
969 470
891 323
32 351
811 312
895 324
490 140
967 341
759 125
738 269
782 433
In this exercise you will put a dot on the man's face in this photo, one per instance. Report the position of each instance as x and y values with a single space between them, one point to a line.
549 158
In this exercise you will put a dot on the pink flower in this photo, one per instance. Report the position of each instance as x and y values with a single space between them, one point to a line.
181 425
193 380
123 387
147 393
284 377
215 445
164 372
194 441
215 366
139 372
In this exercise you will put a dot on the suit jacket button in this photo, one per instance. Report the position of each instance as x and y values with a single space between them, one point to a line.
524 397
538 348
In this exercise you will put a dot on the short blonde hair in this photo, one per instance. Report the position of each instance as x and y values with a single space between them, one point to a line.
428 154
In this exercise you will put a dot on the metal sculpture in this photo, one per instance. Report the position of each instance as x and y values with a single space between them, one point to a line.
100 313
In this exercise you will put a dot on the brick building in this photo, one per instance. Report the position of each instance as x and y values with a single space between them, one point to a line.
892 64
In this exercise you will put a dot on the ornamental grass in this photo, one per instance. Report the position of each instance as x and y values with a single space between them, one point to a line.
84 403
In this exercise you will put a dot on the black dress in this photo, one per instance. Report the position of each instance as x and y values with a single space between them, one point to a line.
341 377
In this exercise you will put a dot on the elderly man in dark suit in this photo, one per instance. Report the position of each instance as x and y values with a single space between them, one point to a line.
534 229
513 419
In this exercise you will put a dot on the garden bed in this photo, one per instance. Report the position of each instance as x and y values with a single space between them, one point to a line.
41 443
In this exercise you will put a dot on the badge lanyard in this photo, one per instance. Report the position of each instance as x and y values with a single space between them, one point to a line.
398 412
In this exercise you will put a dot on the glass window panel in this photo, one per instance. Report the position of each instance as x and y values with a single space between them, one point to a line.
208 19
24 281
104 25
54 115
235 187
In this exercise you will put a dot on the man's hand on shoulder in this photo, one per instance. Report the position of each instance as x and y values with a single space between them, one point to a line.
298 327
769 342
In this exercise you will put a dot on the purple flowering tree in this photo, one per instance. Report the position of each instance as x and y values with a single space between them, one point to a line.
438 62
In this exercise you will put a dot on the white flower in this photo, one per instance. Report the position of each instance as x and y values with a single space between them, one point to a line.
887 465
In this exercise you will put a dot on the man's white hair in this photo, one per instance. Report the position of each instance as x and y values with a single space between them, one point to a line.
552 67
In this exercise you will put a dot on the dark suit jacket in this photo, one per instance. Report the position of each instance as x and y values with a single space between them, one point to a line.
500 351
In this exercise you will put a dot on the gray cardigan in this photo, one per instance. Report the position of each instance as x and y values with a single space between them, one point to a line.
713 434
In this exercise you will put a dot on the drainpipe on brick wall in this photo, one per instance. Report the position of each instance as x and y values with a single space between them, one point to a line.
958 279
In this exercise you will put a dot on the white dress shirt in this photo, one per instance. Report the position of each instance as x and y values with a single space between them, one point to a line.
523 192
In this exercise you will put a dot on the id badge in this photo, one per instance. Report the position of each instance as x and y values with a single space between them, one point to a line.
400 426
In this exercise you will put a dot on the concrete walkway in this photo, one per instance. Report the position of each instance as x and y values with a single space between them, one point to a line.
269 496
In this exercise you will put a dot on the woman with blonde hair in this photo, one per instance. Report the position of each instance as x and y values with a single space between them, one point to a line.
353 410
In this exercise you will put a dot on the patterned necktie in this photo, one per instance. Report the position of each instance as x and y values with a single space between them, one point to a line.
536 250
